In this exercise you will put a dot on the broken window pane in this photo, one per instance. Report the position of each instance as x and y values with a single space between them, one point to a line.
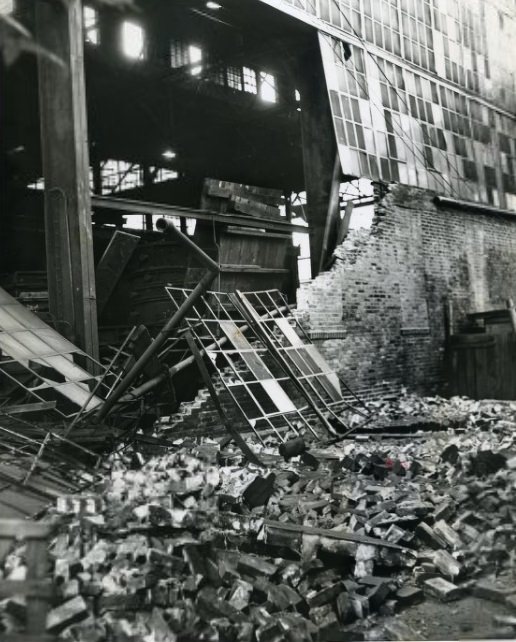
268 91
133 40
91 25
250 84
178 54
195 57
6 7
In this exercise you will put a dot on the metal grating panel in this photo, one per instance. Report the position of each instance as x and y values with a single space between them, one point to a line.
258 376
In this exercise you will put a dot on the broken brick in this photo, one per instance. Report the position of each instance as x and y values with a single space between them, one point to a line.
428 536
450 536
324 596
442 589
71 612
447 564
345 609
408 595
377 595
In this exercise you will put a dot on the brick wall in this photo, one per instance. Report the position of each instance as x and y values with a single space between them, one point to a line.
381 306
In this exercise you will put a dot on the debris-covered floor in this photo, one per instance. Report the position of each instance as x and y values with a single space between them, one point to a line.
400 538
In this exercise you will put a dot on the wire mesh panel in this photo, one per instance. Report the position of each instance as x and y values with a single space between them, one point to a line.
285 337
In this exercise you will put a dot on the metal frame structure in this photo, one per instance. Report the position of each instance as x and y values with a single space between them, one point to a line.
35 462
260 381
46 365
269 313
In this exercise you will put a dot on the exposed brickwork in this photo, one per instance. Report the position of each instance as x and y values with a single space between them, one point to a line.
386 296
388 288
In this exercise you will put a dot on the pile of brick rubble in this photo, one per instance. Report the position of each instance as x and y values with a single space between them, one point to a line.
199 545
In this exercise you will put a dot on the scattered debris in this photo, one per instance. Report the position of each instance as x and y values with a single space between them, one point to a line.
200 543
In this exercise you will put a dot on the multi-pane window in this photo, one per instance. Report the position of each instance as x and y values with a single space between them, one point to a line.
183 55
178 54
91 25
412 129
234 78
345 14
250 82
418 42
118 176
381 24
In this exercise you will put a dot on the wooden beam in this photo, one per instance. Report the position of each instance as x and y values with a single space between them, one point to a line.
347 536
64 141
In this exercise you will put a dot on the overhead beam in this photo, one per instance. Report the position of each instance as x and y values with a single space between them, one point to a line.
127 206
64 140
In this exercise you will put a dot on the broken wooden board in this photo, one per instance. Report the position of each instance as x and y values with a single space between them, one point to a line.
112 265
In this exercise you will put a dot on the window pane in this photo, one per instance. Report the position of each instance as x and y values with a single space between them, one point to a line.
133 40
6 7
91 26
250 84
268 87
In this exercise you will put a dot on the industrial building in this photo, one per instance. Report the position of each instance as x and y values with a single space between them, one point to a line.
258 245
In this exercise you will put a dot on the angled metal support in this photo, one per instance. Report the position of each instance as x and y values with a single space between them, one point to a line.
165 225
237 437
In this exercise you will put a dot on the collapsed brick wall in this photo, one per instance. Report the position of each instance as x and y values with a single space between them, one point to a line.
379 314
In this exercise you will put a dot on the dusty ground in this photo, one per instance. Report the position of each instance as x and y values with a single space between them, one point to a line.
470 618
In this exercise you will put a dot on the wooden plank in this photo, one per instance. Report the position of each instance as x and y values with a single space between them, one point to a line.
253 208
112 265
226 189
258 368
11 528
64 141
43 588
240 231
309 360
331 534
37 606
255 269
28 637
